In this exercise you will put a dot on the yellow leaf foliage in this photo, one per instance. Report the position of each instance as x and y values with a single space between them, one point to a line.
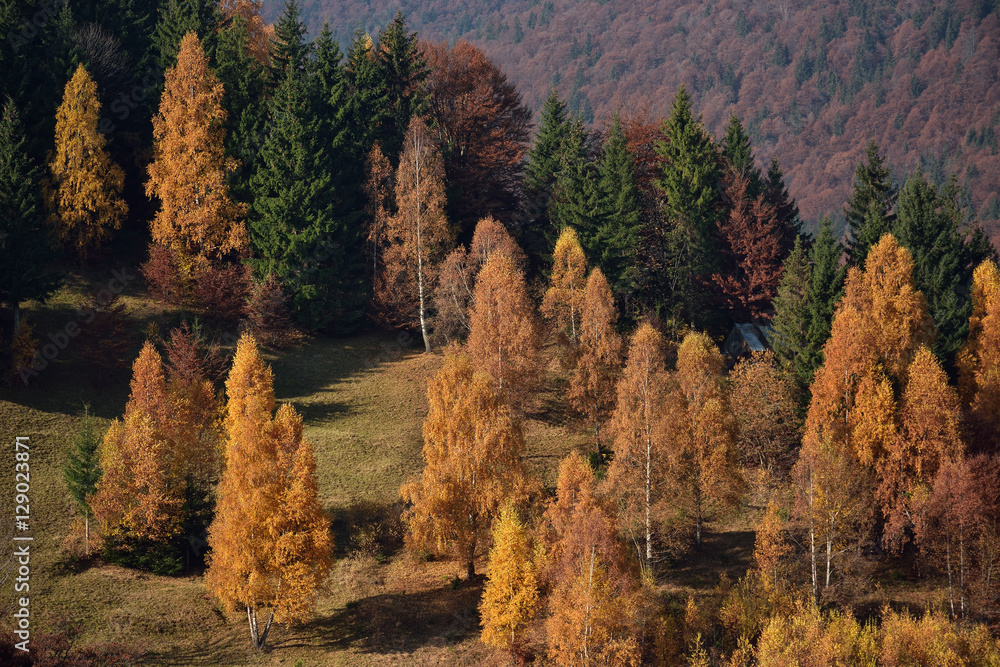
472 455
770 546
510 598
85 196
979 359
189 168
563 302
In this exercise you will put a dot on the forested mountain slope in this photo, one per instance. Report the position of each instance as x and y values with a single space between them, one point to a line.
813 81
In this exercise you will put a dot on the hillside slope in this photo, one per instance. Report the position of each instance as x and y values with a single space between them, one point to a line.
812 80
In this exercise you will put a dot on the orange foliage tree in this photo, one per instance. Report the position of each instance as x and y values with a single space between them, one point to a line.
259 32
503 341
472 454
378 189
85 194
770 546
563 301
637 476
417 235
510 597
599 362
270 539
188 173
766 410
703 475
979 359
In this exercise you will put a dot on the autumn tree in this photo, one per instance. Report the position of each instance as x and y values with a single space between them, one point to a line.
703 477
770 545
979 359
638 471
869 212
472 464
752 248
85 194
503 340
510 597
563 301
270 539
418 234
482 124
258 31
188 172
766 411
592 387
82 470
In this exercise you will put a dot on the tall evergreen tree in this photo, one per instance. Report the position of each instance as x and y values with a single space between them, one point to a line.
540 172
619 211
294 230
932 226
82 470
736 147
869 213
690 186
368 98
826 288
289 48
786 211
24 241
176 19
403 69
332 106
791 315
574 194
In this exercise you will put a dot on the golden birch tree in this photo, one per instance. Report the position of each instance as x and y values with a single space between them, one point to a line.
503 339
270 539
510 597
85 193
563 302
599 361
770 545
472 464
197 217
418 234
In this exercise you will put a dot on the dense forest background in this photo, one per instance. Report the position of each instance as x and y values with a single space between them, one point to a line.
812 81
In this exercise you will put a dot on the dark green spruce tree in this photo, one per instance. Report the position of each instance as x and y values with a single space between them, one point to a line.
791 316
739 154
869 212
786 211
176 19
691 191
295 232
574 194
25 247
367 98
82 470
934 226
403 69
619 212
825 289
289 48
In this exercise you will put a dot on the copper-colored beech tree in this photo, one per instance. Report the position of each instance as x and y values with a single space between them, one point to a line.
453 294
418 234
765 406
270 539
188 173
599 360
472 455
85 194
510 597
564 299
593 593
638 474
979 359
703 475
503 341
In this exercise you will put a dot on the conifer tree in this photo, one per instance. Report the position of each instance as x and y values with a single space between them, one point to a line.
403 69
563 301
179 17
739 154
503 338
869 212
786 211
86 185
82 470
295 230
690 186
188 173
791 315
270 539
592 387
25 250
619 211
333 112
259 33
368 97
289 48
979 359
472 454
510 597
574 193
540 172
825 289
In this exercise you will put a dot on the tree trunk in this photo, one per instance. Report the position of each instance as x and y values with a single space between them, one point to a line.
951 590
812 540
86 532
597 437
649 493
829 557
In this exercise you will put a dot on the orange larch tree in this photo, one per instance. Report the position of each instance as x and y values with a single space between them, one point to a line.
510 597
270 539
564 299
85 194
472 464
599 362
979 359
197 217
418 235
503 340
